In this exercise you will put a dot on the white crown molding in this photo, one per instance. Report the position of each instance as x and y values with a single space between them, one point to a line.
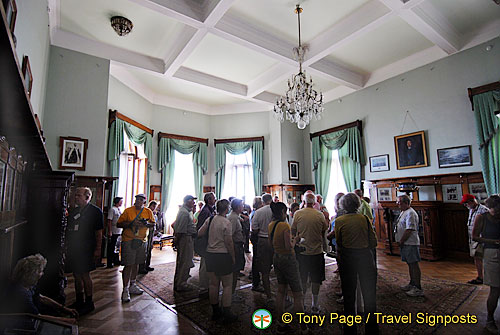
121 73
337 73
240 108
54 16
267 97
482 35
409 63
336 93
190 106
78 43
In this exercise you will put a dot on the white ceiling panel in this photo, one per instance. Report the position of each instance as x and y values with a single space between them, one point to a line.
227 60
152 33
181 89
468 15
279 16
383 46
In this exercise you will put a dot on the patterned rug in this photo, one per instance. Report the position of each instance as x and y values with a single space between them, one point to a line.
441 298
160 282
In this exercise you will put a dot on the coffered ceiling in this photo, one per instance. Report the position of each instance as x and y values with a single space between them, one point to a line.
230 56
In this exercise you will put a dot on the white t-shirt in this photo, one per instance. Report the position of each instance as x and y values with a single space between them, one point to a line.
408 219
113 215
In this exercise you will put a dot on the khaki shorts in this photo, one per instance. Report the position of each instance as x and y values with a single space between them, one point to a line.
472 247
132 256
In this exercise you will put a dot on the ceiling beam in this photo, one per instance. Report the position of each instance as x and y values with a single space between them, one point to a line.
179 10
367 18
204 79
428 21
337 73
278 73
78 43
239 108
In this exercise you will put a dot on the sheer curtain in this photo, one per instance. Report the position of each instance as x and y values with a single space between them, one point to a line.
182 185
239 180
336 183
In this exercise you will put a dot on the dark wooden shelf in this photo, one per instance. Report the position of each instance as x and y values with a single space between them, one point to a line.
17 121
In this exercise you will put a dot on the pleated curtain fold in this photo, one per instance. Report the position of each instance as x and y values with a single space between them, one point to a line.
116 145
351 154
488 137
166 165
237 148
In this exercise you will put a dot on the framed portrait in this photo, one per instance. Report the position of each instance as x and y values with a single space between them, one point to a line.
479 191
27 76
11 14
384 194
411 151
452 193
293 170
379 163
73 153
455 156
289 197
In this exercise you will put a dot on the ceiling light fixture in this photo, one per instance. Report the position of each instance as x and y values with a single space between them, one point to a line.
121 25
301 103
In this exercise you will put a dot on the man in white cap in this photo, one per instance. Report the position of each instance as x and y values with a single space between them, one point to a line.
135 221
184 232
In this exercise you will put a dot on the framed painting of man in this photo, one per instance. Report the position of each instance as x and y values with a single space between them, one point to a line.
73 153
411 150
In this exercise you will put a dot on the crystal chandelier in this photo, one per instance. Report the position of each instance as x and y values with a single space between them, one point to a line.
301 103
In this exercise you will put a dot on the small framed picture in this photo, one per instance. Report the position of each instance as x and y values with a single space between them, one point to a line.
379 163
411 151
384 194
452 193
73 153
293 170
11 14
479 191
455 156
27 76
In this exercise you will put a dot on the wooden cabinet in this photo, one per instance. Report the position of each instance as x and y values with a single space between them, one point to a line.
288 193
32 196
443 221
429 230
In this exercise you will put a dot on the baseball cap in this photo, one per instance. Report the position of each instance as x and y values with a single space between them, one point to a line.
141 195
188 197
467 197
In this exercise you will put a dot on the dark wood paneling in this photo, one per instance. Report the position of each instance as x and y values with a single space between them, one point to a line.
182 137
356 123
114 114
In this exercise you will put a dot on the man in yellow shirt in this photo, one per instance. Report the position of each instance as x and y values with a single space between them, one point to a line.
135 221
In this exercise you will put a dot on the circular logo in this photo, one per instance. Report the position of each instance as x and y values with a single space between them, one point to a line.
262 319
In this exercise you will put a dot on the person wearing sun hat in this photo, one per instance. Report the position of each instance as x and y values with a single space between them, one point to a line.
475 209
184 232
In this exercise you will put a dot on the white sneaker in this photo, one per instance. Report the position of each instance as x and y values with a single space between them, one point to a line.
125 296
406 287
415 292
134 289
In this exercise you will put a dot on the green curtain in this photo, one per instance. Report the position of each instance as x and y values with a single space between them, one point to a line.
166 165
351 154
238 148
488 137
116 145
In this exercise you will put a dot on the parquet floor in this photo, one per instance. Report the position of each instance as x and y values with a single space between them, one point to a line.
146 315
